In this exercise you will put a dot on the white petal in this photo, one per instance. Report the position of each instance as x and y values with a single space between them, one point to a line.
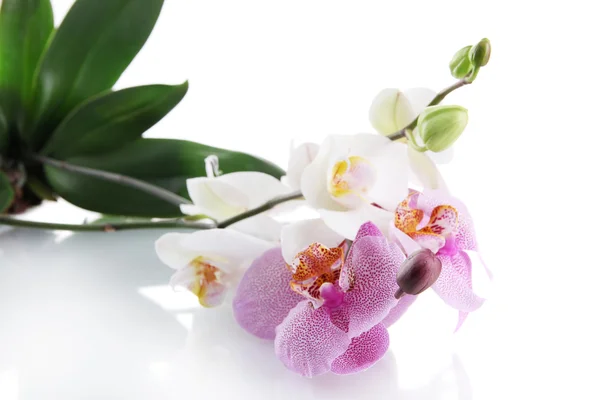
313 182
391 186
425 171
190 209
260 226
419 99
171 251
298 236
347 223
227 249
443 157
300 157
215 198
257 187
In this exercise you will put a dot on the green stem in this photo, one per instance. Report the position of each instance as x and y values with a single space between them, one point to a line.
436 100
267 206
120 226
153 190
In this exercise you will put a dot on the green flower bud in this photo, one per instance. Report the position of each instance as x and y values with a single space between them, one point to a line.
480 53
418 272
460 65
440 126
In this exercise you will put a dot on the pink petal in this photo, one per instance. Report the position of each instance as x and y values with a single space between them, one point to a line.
264 297
307 341
454 283
399 309
462 316
364 351
372 265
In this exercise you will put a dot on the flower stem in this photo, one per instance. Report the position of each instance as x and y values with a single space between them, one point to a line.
267 206
173 223
108 227
153 190
436 100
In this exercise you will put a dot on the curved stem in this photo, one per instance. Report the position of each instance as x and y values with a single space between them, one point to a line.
267 206
154 190
120 226
436 100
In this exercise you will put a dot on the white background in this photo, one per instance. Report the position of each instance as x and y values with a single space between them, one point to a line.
263 73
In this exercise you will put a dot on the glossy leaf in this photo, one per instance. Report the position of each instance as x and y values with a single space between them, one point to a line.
4 132
109 121
164 162
25 26
90 50
7 194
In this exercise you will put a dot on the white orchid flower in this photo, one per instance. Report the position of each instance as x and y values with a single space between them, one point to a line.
354 179
228 195
209 263
393 110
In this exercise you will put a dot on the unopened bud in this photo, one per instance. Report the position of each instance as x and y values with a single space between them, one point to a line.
440 126
418 272
460 65
480 53
390 111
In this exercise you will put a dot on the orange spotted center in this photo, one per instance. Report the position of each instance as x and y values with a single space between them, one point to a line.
313 267
206 280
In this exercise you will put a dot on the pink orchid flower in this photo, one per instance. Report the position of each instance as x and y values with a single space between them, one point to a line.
441 223
325 313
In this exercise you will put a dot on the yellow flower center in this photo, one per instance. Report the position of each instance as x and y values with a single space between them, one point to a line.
350 181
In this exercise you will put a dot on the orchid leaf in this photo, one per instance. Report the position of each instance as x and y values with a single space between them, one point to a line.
7 194
164 162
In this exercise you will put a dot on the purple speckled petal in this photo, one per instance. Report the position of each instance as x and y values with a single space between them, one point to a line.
399 309
264 297
364 351
307 342
372 263
454 283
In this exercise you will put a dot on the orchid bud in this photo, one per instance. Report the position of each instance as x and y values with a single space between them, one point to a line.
418 272
480 53
460 65
440 126
390 111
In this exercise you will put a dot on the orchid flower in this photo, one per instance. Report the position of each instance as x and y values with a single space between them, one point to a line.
354 179
441 223
209 262
391 111
231 194
325 312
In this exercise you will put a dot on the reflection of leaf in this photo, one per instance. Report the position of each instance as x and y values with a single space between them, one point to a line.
114 219
7 194
40 189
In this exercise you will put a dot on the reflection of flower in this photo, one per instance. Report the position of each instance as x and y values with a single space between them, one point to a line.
325 314
207 263
436 221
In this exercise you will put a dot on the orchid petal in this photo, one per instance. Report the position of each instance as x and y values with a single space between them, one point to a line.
462 316
399 310
300 157
260 226
442 157
307 341
454 283
390 111
347 223
171 252
299 235
370 279
364 351
213 197
419 99
424 170
391 185
442 221
225 248
431 241
264 297
402 240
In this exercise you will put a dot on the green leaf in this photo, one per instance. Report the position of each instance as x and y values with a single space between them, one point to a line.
90 50
25 26
108 121
7 194
163 162
40 188
4 132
